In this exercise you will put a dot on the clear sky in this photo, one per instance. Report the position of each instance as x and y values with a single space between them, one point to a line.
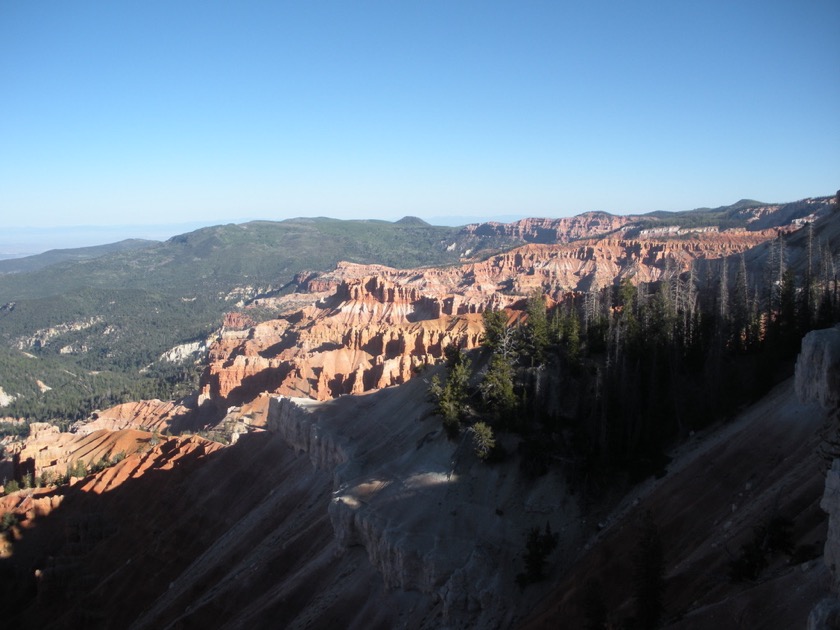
179 111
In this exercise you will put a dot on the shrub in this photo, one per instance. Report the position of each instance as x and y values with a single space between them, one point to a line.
483 440
78 469
8 521
538 546
451 396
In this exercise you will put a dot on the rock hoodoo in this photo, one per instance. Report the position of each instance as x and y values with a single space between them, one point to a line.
366 327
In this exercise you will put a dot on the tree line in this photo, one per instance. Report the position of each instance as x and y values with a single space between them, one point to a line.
605 381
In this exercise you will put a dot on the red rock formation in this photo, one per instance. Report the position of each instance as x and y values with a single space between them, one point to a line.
359 345
47 450
237 321
586 225
379 325
146 415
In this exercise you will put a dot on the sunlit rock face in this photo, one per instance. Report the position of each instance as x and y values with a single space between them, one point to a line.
367 327
551 231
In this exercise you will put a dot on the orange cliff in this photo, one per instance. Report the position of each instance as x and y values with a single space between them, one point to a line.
372 332
373 326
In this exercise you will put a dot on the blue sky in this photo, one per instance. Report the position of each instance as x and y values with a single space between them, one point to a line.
171 112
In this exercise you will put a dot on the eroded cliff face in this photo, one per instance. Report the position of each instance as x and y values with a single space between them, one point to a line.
564 230
372 332
367 327
47 451
428 515
348 512
818 369
818 380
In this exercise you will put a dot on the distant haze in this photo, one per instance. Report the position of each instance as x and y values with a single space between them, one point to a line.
18 242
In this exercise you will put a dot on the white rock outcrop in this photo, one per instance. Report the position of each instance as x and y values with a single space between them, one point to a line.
5 399
430 517
291 419
818 368
818 380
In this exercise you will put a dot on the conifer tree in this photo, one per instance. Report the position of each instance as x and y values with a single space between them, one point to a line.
536 329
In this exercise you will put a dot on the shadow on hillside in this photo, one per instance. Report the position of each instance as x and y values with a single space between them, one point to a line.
102 560
267 380
196 418
259 511
97 560
290 340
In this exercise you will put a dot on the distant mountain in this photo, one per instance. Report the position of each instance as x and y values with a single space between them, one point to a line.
17 242
746 213
412 221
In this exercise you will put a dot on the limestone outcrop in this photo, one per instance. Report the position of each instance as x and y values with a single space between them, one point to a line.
372 332
146 415
564 230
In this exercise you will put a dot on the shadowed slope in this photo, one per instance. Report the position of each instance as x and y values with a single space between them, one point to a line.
760 466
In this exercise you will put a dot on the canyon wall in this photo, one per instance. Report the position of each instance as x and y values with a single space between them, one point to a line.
367 327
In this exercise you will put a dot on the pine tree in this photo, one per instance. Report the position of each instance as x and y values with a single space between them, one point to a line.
536 329
497 389
495 328
740 307
483 440
538 546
